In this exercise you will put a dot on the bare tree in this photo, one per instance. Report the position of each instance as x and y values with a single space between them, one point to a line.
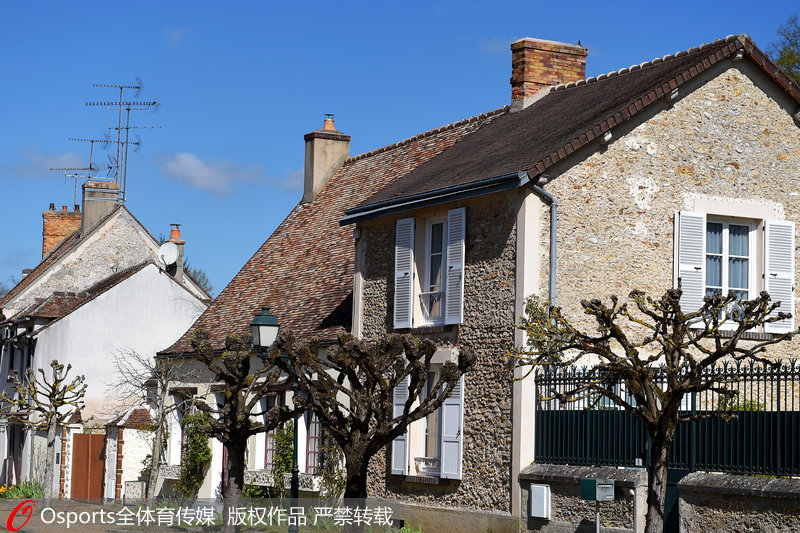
660 357
351 390
44 404
243 411
786 51
136 376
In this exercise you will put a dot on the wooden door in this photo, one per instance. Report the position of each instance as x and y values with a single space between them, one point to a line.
88 461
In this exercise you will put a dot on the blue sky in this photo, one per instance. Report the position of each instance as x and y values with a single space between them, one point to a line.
240 83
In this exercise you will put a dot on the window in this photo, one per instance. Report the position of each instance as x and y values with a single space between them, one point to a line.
440 291
270 446
432 293
434 442
313 443
728 254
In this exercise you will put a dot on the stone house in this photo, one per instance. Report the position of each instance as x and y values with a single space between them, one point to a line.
98 293
304 273
680 171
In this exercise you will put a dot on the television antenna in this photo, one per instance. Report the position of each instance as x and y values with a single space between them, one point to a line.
76 172
129 106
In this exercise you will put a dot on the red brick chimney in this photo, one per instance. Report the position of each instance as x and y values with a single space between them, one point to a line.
58 224
537 64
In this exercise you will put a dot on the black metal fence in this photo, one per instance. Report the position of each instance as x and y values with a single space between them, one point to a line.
763 437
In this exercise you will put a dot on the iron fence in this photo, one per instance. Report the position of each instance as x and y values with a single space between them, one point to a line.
762 437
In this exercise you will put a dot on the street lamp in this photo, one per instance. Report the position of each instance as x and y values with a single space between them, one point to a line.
264 328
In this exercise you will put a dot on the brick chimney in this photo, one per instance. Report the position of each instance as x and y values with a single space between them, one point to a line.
99 197
537 64
326 150
56 225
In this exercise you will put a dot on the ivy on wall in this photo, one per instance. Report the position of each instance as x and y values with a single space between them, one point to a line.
196 455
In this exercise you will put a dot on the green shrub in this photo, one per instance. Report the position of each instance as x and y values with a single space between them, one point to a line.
196 455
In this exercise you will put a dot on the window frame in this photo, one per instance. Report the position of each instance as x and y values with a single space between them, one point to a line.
752 257
313 456
269 436
438 320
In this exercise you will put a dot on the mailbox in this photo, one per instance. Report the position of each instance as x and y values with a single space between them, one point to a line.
601 490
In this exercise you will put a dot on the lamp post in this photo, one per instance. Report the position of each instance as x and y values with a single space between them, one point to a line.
264 328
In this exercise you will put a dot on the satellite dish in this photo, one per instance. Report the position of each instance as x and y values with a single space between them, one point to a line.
168 253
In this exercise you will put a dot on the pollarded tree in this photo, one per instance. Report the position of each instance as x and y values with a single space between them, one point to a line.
44 404
660 355
243 411
351 390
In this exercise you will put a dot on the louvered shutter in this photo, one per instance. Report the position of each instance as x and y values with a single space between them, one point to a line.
454 284
691 243
779 271
400 444
452 411
403 272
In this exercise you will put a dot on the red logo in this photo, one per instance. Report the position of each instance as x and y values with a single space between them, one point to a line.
27 511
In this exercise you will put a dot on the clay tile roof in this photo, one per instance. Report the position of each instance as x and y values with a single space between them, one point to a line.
138 419
567 118
304 271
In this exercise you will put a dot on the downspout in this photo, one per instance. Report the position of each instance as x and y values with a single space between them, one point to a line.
551 201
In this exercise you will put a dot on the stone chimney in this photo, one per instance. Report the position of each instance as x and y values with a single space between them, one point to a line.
326 150
537 64
175 237
99 197
56 225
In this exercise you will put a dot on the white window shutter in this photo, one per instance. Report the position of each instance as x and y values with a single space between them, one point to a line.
452 411
400 444
454 283
403 273
779 271
690 239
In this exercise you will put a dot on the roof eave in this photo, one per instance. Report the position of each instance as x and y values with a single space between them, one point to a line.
439 196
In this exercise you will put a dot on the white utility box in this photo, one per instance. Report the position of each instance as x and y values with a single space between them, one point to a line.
539 505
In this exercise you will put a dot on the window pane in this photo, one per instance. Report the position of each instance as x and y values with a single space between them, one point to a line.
714 238
436 273
740 295
436 238
714 271
737 273
738 240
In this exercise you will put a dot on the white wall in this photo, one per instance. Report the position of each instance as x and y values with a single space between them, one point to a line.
146 312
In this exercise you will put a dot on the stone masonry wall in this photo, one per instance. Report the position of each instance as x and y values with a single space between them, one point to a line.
487 328
726 140
118 245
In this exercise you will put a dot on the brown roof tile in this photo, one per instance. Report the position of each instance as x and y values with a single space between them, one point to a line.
567 118
304 271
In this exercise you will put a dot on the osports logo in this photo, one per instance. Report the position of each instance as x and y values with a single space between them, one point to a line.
26 509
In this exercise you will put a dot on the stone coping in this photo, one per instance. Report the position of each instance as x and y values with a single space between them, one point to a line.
623 477
753 486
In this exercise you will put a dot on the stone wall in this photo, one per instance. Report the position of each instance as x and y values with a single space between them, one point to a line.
718 502
726 140
118 244
487 328
570 513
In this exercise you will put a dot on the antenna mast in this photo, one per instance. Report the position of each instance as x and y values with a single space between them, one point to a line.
128 106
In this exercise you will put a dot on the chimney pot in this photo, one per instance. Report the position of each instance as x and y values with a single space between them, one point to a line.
52 206
328 122
77 208
537 64
175 237
63 208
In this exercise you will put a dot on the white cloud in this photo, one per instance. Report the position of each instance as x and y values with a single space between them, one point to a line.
175 35
291 181
31 162
215 175
495 46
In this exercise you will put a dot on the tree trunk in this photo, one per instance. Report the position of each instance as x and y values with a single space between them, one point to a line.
155 457
49 460
657 480
355 490
234 479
